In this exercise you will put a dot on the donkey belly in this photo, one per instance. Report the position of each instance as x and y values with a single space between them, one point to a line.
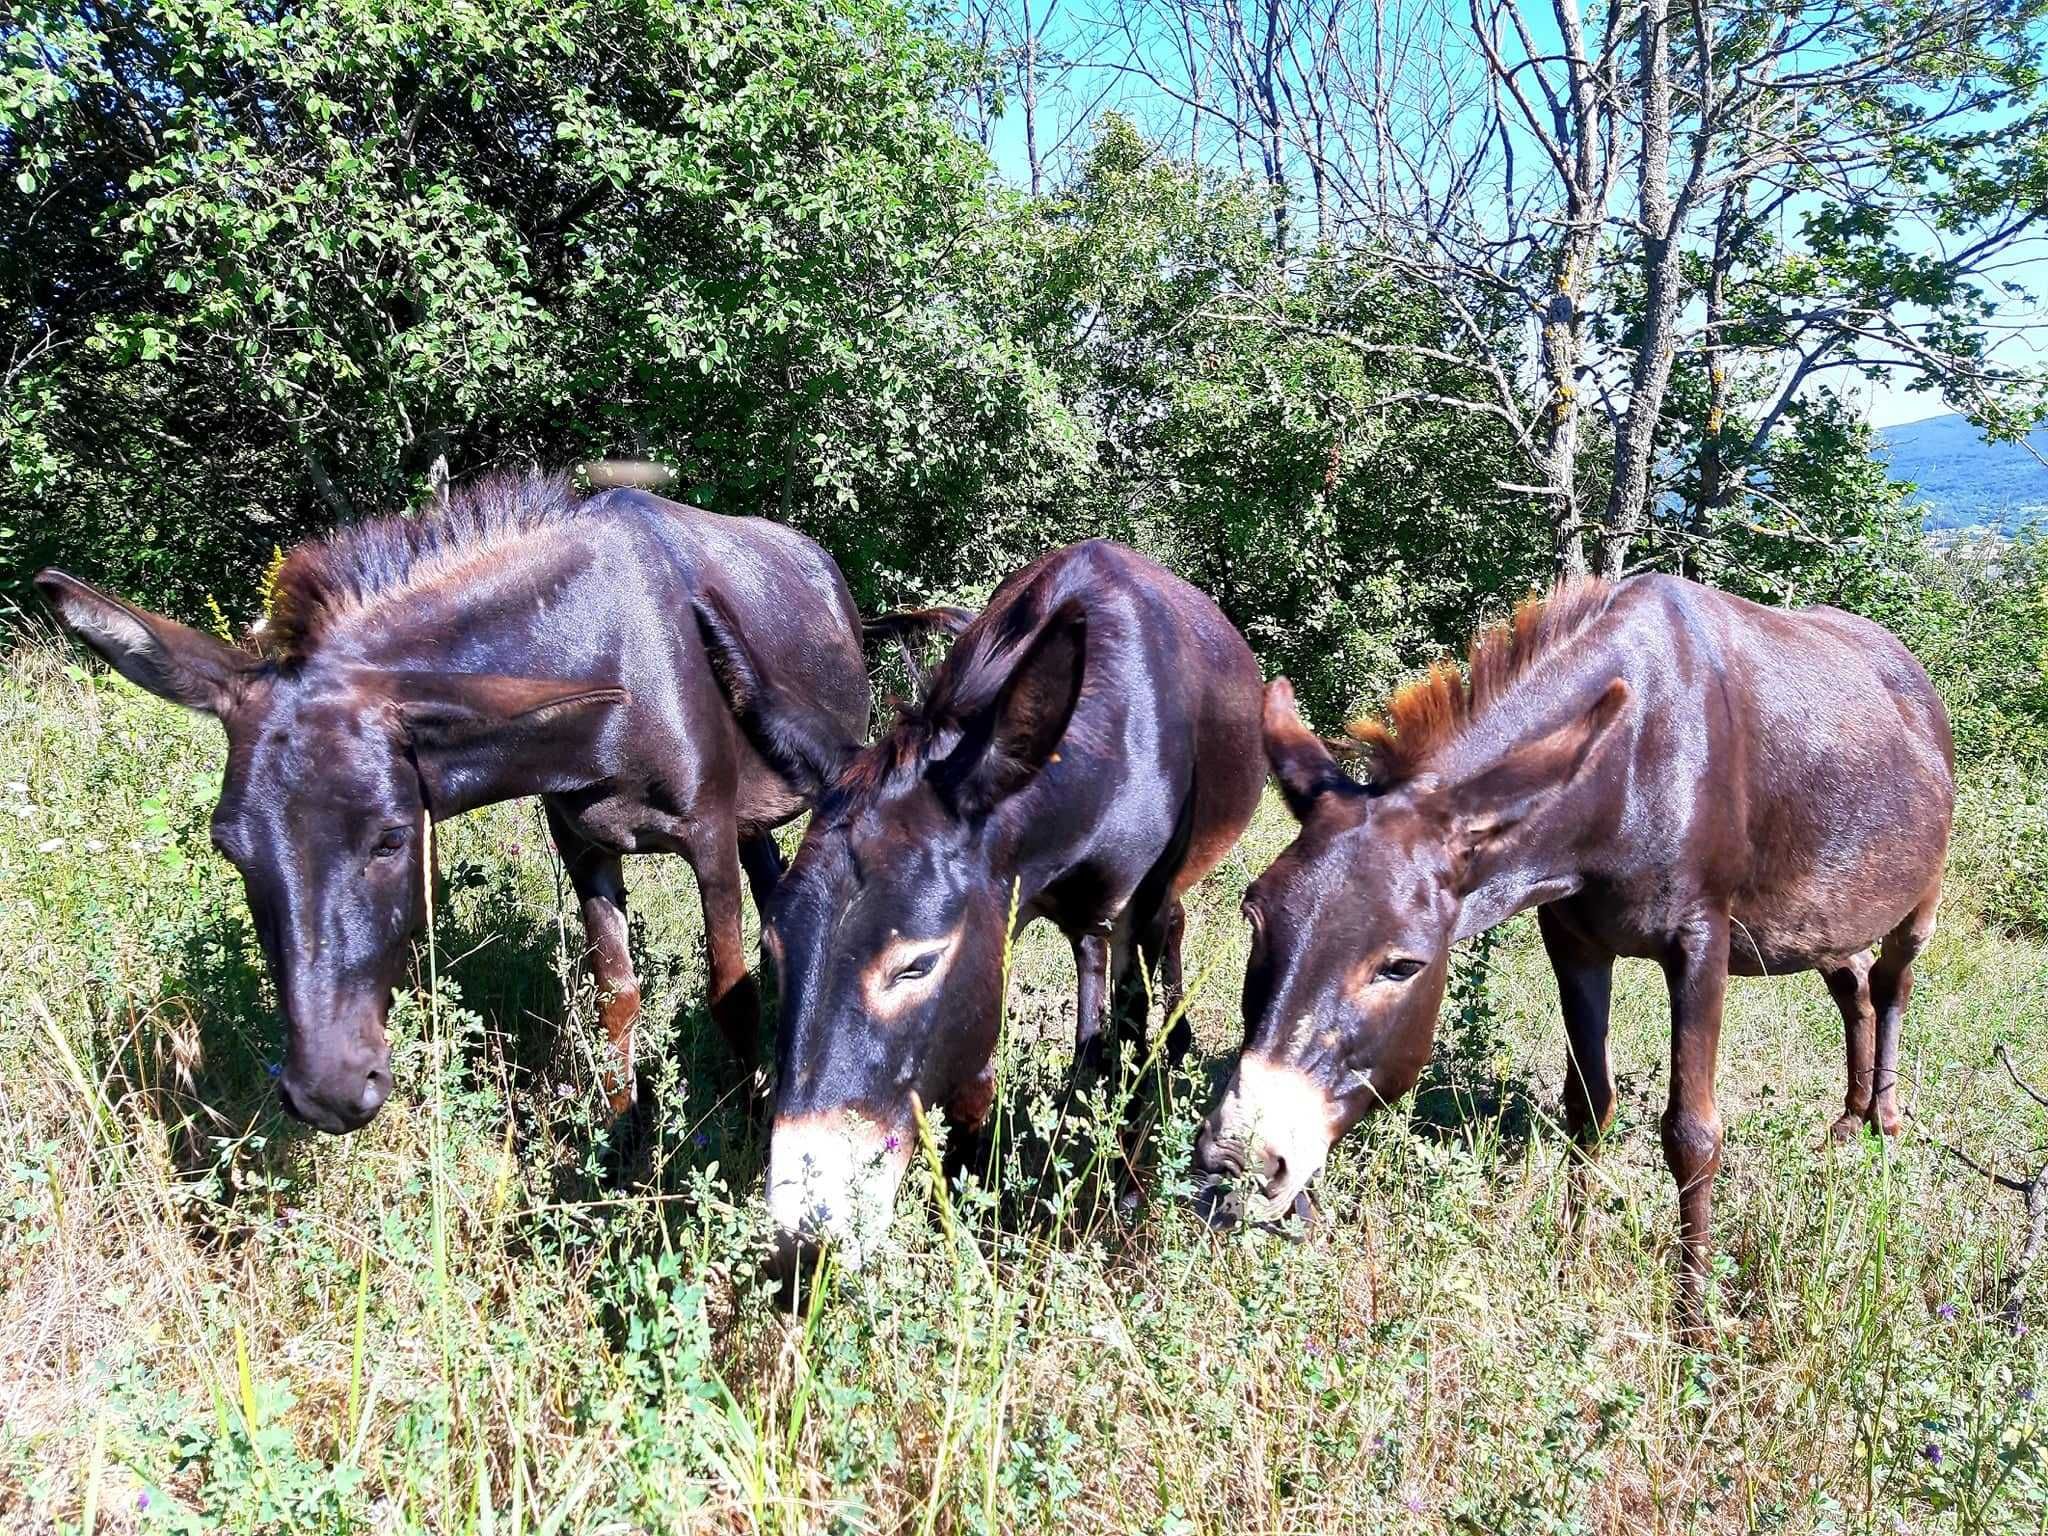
1847 829
1787 940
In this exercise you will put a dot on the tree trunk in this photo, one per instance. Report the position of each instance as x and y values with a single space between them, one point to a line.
1563 315
1030 94
1714 485
1650 374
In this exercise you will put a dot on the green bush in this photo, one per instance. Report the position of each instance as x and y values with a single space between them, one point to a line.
267 266
2001 847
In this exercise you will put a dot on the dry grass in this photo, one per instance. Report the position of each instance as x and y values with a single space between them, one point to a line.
210 1320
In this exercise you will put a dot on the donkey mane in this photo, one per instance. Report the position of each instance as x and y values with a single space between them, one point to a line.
323 581
1427 715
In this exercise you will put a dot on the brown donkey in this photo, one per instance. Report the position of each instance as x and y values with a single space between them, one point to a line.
518 641
1664 772
1089 749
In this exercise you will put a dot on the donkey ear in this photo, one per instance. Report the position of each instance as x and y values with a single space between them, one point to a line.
805 744
1487 806
1301 759
169 659
1005 744
480 737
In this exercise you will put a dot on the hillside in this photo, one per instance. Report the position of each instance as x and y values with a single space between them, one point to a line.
1965 481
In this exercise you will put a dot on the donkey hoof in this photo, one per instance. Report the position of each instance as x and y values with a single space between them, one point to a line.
1845 1128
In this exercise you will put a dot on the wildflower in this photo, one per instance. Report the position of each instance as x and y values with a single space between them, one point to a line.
1946 1311
273 1068
1932 1452
1413 1503
701 1139
893 1142
142 1499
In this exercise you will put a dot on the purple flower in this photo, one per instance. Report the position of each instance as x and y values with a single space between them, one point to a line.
2026 1394
702 1139
1413 1503
272 1068
1946 1311
893 1142
1314 1349
1932 1452
142 1499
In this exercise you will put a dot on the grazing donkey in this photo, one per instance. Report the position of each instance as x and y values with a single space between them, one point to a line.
1664 772
1092 742
517 641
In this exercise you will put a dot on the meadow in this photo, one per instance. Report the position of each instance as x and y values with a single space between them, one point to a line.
212 1319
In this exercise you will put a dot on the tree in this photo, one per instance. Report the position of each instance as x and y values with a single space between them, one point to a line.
1604 195
1265 435
271 265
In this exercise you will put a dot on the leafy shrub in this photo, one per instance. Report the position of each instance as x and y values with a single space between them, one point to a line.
2001 847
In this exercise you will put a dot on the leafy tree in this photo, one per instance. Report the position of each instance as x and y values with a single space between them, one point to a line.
1258 427
271 264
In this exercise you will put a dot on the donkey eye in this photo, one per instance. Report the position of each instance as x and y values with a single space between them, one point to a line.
1400 970
390 843
921 966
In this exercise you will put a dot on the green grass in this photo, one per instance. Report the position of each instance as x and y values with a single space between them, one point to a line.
212 1320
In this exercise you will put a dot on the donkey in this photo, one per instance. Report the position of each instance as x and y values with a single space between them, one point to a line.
516 641
1090 742
1664 772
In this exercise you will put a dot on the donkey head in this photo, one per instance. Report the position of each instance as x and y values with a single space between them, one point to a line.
334 772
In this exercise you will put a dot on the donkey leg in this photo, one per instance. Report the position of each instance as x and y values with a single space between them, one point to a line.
1091 1000
762 860
713 852
1585 988
1891 987
1167 937
1849 985
1696 971
599 879
1149 968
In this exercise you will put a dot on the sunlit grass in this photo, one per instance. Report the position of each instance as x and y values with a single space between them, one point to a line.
212 1320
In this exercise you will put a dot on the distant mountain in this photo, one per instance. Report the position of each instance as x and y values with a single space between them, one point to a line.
1965 482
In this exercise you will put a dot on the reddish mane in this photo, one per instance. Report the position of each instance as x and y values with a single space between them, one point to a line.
1428 714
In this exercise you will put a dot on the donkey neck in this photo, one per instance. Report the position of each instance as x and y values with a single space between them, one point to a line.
1527 846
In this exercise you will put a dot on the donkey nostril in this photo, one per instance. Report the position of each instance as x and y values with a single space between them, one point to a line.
1276 1173
1220 1157
376 1089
